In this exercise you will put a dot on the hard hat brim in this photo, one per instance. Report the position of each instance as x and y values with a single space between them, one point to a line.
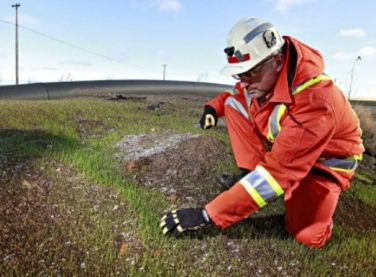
238 68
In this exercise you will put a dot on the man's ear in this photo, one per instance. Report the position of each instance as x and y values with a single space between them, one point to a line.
279 61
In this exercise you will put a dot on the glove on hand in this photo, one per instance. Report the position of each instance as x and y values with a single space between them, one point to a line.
209 118
178 221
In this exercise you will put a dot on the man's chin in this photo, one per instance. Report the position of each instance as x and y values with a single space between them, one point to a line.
256 94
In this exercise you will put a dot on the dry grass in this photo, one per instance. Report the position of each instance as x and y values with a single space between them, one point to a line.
367 118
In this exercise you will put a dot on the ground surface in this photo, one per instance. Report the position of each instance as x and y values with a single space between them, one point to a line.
180 166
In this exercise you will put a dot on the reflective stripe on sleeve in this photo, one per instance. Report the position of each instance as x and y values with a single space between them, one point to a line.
309 83
261 186
230 101
233 90
345 165
274 121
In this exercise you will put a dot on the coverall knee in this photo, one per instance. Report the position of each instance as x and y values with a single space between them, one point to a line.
309 206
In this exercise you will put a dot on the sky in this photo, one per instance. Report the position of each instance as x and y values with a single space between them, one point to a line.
74 40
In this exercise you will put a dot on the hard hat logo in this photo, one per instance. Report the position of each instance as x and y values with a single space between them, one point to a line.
270 38
250 42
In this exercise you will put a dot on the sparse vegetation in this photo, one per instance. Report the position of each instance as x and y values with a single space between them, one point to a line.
367 123
72 204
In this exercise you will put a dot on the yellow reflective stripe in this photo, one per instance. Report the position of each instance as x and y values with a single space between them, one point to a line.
343 167
274 121
357 157
279 109
270 179
270 136
309 83
252 192
348 170
261 186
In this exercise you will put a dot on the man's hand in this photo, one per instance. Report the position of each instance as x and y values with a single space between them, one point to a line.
178 221
209 118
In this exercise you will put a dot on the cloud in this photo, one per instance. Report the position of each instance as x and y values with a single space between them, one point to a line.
3 56
284 5
169 5
367 51
355 32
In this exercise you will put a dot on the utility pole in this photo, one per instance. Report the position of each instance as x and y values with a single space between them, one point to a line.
164 72
16 6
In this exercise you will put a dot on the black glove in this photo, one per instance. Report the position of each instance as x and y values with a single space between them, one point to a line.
178 221
209 118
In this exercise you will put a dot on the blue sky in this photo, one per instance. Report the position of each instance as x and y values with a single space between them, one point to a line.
134 39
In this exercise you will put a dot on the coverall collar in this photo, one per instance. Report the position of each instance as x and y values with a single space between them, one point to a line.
303 62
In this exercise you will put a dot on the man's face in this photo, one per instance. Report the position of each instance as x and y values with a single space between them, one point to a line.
261 80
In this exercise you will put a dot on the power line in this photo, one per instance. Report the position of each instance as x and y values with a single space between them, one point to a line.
77 47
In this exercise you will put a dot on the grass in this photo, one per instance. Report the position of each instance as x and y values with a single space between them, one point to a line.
68 209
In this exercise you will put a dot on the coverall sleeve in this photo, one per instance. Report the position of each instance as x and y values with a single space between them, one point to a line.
303 137
218 102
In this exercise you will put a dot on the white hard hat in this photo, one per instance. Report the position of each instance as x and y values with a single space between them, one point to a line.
249 42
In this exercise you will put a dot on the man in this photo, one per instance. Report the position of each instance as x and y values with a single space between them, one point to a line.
292 131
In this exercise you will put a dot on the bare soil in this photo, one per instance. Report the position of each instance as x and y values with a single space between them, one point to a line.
184 171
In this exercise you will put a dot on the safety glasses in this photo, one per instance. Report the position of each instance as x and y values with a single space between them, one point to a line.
254 71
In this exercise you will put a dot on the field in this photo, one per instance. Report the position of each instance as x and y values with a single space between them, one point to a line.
85 181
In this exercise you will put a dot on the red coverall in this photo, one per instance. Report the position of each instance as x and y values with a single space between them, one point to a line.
315 144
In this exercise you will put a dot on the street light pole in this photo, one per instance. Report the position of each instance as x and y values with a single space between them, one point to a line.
164 72
17 5
359 58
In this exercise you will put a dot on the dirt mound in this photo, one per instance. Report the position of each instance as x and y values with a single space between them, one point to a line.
183 172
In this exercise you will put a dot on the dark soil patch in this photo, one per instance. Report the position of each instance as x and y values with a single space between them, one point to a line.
354 216
44 219
155 100
185 172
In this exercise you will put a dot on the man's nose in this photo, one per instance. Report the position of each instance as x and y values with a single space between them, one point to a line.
244 84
